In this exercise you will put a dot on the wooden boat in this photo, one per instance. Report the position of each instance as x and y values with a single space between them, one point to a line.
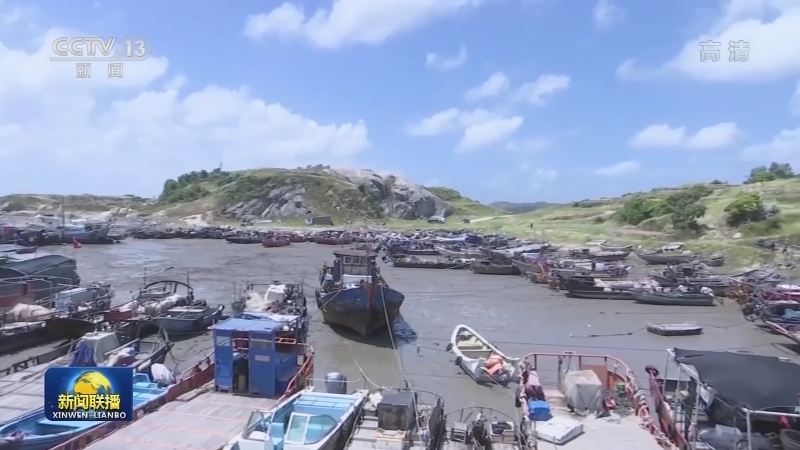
417 263
244 239
615 248
35 279
480 359
488 268
78 310
674 329
665 257
611 256
188 319
286 299
297 238
464 254
400 419
674 298
34 432
598 293
312 421
275 242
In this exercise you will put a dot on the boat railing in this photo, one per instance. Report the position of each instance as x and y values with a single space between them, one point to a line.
614 375
677 403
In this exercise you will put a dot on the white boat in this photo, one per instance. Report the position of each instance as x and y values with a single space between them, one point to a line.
481 360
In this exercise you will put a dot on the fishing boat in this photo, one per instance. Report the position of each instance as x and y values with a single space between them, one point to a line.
195 318
275 241
714 261
151 300
481 360
674 298
665 257
277 298
413 262
614 248
400 419
257 363
78 310
34 279
483 428
674 329
460 252
310 420
579 401
490 268
34 432
707 399
358 298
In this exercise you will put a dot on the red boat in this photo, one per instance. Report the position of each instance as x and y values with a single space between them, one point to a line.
275 242
297 238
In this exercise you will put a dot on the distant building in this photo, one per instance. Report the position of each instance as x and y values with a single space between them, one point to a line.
320 220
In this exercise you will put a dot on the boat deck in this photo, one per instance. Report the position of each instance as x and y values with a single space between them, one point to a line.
617 432
22 392
200 422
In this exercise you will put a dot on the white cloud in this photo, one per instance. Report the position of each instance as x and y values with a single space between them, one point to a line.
619 169
495 85
351 21
442 63
530 145
784 147
664 136
538 92
795 102
60 127
485 134
770 27
480 128
606 14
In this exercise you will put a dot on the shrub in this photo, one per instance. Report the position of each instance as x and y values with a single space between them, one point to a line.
744 209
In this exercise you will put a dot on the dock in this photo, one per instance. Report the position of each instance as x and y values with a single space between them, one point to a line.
22 392
204 422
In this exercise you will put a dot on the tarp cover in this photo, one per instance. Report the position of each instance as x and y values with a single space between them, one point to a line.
750 381
584 391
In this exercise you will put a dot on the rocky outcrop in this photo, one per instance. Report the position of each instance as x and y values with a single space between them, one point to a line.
340 192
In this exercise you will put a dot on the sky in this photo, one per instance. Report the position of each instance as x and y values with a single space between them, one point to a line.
516 100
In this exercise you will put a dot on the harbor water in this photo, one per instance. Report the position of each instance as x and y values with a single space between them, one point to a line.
517 316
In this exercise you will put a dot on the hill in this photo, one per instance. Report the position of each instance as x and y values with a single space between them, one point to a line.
520 208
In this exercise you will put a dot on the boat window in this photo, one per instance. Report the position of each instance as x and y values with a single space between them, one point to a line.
261 344
298 425
222 341
346 260
318 428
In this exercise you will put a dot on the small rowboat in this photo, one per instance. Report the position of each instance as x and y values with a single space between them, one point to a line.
481 360
675 329
275 242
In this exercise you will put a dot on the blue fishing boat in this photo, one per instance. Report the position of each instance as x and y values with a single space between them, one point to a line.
188 319
313 420
353 294
34 432
258 363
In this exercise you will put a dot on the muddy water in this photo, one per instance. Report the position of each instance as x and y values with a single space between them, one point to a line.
517 316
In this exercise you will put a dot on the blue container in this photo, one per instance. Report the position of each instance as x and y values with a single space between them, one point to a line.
539 410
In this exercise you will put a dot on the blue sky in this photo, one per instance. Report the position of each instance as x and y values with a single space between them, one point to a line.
521 100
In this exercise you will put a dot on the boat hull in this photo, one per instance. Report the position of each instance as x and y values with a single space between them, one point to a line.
69 327
649 298
181 325
474 367
364 309
600 294
30 338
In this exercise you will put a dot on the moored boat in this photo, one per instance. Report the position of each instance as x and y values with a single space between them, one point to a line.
665 257
566 397
674 298
480 359
195 318
412 262
276 241
710 397
312 420
34 432
78 310
489 268
357 297
220 393
413 419
482 427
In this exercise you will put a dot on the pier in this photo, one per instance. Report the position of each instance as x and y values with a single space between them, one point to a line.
199 421
22 392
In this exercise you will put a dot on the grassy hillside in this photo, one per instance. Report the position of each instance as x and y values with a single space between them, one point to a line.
465 206
87 202
520 208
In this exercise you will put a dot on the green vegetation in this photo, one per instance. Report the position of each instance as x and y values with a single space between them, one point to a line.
464 206
775 171
682 207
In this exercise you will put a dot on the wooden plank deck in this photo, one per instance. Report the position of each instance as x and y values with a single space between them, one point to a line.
206 422
22 392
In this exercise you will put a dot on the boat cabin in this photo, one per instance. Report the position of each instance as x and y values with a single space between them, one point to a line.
353 267
305 419
257 353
